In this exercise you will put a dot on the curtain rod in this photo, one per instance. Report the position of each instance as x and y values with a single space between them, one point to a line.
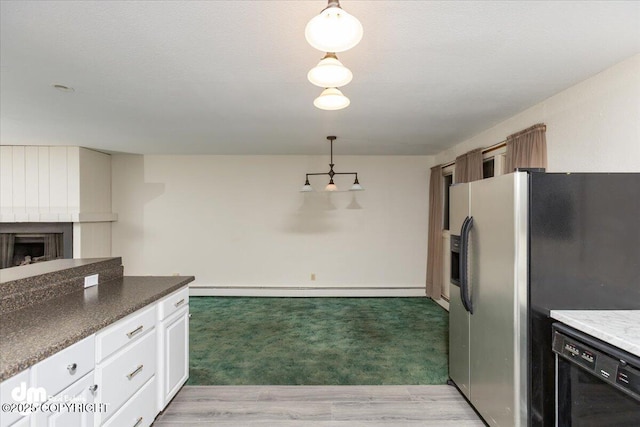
484 150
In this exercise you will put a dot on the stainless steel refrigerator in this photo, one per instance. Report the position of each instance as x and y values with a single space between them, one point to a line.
523 244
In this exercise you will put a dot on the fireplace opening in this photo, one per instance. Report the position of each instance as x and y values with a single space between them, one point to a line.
28 243
32 248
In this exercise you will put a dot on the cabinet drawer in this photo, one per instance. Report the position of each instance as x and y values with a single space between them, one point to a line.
65 367
139 411
173 302
123 332
122 374
6 387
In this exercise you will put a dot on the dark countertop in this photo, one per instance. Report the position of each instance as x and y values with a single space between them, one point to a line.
38 331
40 268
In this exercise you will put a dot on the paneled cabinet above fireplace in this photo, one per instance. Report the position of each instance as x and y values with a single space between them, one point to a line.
54 184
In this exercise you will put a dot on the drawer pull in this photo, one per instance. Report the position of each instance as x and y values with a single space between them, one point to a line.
72 368
179 302
138 422
93 388
134 373
135 331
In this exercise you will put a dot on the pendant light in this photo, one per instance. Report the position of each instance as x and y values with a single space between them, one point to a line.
331 186
333 30
331 99
330 72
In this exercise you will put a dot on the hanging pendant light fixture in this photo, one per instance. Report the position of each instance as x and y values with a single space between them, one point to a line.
331 186
330 72
331 99
333 30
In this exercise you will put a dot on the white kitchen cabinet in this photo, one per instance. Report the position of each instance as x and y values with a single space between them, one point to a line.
20 381
59 371
122 374
173 345
128 371
71 407
139 411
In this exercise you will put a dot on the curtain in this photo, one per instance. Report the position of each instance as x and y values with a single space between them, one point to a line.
527 149
6 250
469 166
53 246
434 239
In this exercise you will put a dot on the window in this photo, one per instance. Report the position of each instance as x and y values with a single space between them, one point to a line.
488 169
447 181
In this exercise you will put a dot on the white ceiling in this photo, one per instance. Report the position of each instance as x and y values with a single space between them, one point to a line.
229 77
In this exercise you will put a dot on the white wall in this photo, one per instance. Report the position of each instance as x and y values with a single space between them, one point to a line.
240 221
593 126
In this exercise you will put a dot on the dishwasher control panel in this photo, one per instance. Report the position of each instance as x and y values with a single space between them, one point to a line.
604 361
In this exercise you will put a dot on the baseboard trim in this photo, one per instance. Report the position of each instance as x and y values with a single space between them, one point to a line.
248 291
443 303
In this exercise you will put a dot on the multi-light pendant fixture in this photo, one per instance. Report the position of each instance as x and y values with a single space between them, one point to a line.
333 30
331 186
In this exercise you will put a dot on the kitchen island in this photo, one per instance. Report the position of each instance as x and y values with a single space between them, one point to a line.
79 329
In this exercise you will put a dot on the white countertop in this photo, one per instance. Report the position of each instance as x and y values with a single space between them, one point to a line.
620 328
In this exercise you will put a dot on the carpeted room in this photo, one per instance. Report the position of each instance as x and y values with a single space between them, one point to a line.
317 341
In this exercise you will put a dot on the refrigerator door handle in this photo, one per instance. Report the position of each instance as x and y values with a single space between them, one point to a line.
464 261
462 265
462 270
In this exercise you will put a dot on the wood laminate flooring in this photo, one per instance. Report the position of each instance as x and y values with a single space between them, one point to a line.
354 406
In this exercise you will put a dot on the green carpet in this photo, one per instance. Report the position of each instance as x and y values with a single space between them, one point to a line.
317 341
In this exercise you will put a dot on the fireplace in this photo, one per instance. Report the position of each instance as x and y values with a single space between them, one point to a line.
25 243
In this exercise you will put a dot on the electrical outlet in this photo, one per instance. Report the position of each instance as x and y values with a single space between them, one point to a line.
313 277
91 280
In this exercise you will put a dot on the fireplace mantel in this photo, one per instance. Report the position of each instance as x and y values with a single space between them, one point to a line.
42 184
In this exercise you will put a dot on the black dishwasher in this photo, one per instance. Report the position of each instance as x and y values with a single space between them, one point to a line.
596 384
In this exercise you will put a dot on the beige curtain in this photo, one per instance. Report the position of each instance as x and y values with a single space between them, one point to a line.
527 149
434 239
53 246
469 166
7 241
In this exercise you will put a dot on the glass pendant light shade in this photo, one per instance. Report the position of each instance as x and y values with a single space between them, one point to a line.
306 187
330 72
331 186
333 30
331 99
356 186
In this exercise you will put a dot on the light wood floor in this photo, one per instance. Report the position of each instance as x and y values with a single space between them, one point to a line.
353 406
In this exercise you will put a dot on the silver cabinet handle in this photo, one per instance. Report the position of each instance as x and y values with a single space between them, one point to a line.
138 422
93 388
179 302
134 373
135 331
72 368
189 315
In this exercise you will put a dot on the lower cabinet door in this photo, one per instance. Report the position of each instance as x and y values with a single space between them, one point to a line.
139 411
73 406
174 351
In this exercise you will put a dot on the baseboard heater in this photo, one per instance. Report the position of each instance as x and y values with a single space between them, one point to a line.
300 291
